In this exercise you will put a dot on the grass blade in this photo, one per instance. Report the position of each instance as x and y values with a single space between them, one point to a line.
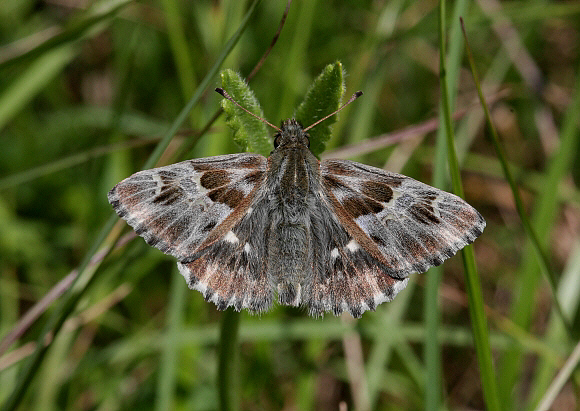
77 28
67 162
569 296
433 377
545 213
294 58
560 380
385 338
32 80
170 351
201 89
475 297
542 257
179 47
59 316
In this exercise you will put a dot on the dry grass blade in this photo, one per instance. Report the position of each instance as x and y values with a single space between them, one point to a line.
387 139
55 292
561 378
258 66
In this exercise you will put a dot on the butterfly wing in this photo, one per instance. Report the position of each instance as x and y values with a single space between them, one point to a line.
386 226
345 276
192 210
232 270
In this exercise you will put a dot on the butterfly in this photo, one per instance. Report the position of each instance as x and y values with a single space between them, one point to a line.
332 236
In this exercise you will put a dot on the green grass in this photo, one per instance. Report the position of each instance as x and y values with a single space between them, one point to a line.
89 96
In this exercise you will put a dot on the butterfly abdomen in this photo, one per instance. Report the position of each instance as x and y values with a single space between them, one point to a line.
288 260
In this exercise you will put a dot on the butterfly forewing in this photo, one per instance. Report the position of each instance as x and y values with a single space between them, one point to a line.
187 206
406 225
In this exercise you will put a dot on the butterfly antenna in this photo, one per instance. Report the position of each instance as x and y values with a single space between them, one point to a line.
350 100
227 96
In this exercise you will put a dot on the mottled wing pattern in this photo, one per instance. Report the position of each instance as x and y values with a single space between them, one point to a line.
232 270
193 210
391 226
345 276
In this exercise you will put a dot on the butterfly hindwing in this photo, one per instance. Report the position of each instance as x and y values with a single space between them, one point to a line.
232 270
345 277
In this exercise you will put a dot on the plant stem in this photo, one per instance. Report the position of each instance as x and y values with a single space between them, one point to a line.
228 361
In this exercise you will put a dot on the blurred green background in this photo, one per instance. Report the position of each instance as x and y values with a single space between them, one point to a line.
87 90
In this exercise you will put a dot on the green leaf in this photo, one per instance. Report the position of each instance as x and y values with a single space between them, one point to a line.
250 133
322 98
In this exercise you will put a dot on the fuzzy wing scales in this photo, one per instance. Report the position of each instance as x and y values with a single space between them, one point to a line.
202 212
232 270
345 276
185 206
406 224
393 226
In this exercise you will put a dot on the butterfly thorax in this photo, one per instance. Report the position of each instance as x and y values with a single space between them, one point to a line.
292 165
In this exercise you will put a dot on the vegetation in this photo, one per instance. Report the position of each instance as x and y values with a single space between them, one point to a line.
93 318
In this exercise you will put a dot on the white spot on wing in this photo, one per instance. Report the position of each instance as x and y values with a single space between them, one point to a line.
158 184
298 295
380 298
230 237
397 287
198 285
352 246
183 270
334 253
247 248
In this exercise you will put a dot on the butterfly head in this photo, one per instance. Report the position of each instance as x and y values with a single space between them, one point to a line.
291 134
